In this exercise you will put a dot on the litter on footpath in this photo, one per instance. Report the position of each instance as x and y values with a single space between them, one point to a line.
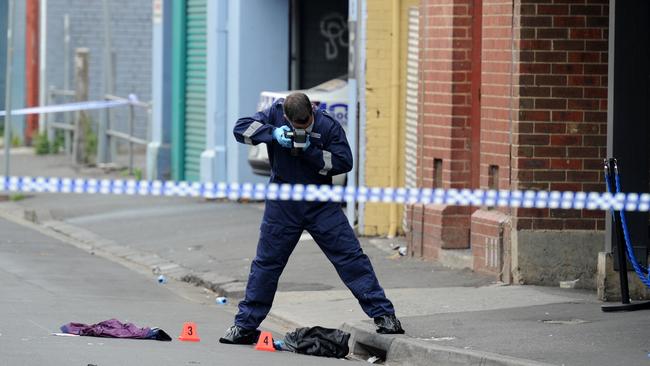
279 345
114 328
162 279
401 250
569 284
65 335
221 300
374 359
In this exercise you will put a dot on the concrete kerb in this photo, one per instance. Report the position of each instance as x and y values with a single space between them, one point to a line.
403 350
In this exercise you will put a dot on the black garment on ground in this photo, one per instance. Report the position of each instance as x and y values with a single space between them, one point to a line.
318 341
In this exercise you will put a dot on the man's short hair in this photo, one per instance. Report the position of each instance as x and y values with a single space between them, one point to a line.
297 108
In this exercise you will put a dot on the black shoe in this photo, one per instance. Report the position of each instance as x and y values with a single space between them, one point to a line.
388 324
239 335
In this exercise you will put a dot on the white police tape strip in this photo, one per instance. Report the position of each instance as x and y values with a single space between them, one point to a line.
299 192
68 107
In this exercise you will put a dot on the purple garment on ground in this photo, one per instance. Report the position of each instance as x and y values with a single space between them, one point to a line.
113 328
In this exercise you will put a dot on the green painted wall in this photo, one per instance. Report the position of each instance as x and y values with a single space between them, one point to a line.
195 86
189 87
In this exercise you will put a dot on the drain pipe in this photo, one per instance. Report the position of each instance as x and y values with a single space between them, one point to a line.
394 125
352 104
361 64
42 64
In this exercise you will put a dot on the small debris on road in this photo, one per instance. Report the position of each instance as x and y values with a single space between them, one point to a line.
438 339
569 284
65 335
374 359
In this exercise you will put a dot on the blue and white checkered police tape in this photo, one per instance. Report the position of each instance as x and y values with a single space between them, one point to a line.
299 192
71 107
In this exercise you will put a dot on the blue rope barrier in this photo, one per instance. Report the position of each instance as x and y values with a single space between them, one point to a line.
641 271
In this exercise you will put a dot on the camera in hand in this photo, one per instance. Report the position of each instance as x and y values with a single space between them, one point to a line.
298 139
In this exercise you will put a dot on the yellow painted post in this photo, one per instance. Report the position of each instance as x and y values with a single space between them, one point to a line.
385 115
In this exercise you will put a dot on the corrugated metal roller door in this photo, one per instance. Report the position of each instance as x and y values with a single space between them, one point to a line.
411 101
195 86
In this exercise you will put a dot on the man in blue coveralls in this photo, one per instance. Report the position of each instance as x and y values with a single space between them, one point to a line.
326 153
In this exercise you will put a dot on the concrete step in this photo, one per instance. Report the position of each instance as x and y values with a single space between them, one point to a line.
456 258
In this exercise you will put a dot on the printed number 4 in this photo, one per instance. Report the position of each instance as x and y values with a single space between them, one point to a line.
266 340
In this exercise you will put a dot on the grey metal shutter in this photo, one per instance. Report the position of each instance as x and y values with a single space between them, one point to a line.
411 101
195 86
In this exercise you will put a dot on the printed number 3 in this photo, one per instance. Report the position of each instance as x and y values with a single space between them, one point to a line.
189 330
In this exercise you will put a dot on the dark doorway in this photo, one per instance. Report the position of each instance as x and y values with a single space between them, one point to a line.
629 127
319 40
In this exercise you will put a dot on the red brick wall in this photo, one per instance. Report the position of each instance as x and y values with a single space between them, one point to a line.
561 135
446 106
498 97
445 125
543 111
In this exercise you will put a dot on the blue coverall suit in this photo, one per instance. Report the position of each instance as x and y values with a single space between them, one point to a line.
284 221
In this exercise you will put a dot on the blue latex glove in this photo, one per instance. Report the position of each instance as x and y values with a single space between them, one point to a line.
278 135
306 144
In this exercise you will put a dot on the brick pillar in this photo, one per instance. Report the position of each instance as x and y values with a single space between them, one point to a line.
445 127
543 126
562 130
490 230
560 137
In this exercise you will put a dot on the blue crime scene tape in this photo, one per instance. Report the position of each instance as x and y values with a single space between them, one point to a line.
326 193
300 192
68 107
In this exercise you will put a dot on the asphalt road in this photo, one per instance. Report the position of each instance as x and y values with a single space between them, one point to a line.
46 283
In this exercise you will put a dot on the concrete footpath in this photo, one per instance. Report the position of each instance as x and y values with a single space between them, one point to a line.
452 317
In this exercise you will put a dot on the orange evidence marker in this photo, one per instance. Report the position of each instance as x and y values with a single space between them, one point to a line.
265 342
189 333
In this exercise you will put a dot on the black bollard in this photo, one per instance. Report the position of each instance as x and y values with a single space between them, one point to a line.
621 248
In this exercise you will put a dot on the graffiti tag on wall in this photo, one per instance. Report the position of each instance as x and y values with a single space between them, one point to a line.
334 28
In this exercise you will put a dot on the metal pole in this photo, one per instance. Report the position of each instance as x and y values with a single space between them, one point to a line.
131 112
42 64
81 94
352 105
66 52
67 117
48 118
620 240
361 70
8 79
108 48
104 142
